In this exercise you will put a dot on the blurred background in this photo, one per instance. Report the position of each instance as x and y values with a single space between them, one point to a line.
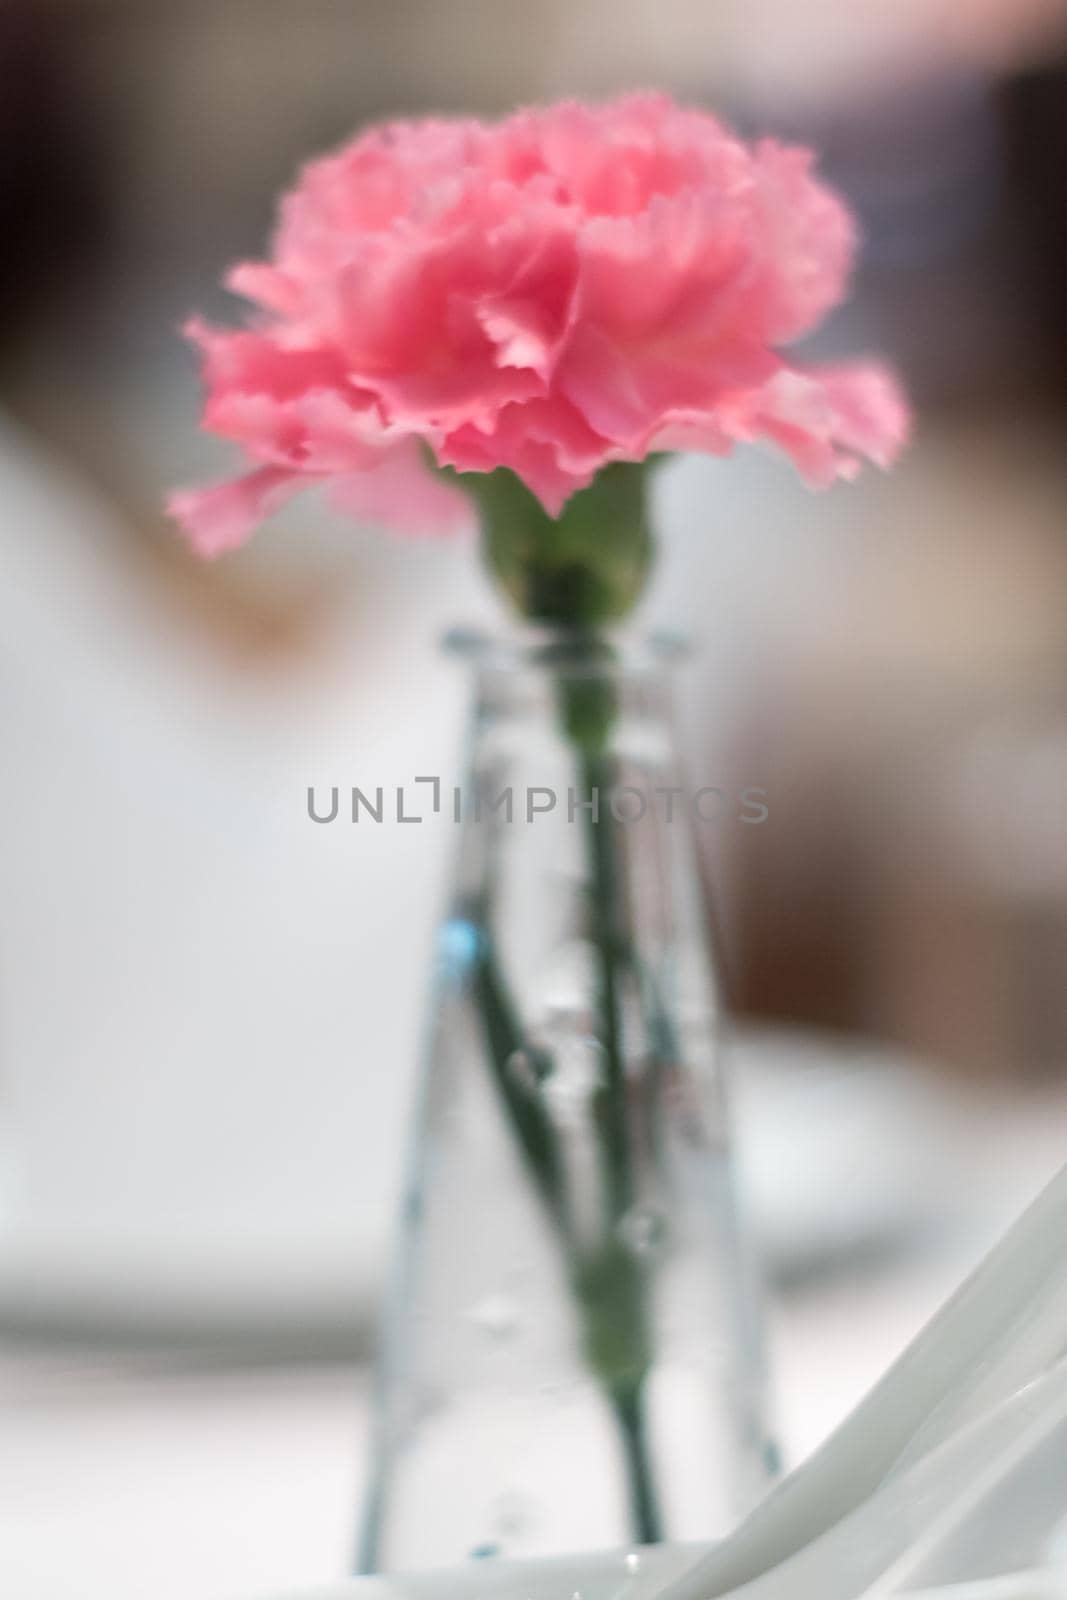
209 1008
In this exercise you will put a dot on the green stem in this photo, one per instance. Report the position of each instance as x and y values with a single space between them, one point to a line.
629 1410
610 1099
517 1072
614 1287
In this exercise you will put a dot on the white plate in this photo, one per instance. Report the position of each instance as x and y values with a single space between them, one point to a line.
616 1576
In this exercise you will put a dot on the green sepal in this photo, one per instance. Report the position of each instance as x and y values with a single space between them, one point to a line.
583 569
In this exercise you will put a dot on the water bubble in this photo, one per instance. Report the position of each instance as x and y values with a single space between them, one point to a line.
643 1230
495 1314
568 983
578 1073
523 1067
632 1562
459 945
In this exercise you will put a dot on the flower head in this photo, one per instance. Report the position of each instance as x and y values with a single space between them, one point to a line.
570 287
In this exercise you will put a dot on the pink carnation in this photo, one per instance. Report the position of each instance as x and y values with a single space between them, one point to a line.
569 287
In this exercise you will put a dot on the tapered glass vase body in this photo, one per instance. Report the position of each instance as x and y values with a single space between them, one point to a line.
572 1358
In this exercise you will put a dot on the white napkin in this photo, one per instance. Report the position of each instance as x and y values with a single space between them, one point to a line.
952 1471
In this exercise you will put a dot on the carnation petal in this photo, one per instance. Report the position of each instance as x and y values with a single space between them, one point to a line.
259 361
807 241
871 413
266 286
828 420
402 493
223 516
627 394
546 443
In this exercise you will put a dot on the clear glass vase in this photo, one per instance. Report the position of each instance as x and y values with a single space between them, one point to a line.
572 1359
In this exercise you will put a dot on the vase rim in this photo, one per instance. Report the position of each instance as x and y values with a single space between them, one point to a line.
532 646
